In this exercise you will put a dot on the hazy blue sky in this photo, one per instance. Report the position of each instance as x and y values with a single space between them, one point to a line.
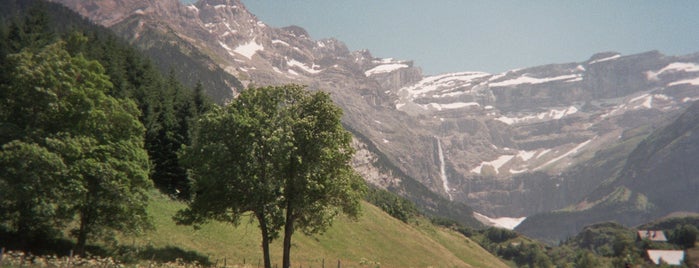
492 36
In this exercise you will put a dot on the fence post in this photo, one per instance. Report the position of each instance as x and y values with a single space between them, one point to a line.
70 258
323 262
338 264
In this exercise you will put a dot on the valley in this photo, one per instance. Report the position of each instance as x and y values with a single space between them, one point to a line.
508 145
533 141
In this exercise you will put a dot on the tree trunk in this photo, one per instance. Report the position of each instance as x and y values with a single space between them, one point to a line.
288 231
265 239
82 234
25 234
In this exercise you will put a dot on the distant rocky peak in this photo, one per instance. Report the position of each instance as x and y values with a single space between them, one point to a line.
224 8
219 2
332 45
297 31
111 12
603 55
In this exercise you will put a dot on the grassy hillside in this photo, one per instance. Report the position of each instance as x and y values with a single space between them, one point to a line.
376 239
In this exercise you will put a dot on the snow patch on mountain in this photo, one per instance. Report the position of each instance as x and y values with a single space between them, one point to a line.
441 82
311 70
248 49
385 68
525 79
526 155
513 159
277 41
552 114
643 101
497 164
687 67
227 48
568 153
606 59
502 222
446 106
439 86
693 82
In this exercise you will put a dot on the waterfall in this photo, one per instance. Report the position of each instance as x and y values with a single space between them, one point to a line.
445 180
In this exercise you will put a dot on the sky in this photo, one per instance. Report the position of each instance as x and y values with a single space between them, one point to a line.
492 36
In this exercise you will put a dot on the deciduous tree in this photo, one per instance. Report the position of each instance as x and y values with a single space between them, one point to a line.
56 115
279 153
318 181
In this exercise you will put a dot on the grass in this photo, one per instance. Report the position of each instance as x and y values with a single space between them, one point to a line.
374 240
693 254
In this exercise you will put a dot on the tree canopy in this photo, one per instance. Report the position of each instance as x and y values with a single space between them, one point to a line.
279 153
72 148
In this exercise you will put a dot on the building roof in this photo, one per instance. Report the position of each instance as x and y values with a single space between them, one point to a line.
652 235
671 257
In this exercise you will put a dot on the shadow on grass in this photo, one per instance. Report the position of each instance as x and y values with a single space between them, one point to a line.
41 244
171 254
44 245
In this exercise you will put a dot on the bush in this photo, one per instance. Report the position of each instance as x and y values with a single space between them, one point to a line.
396 206
499 235
684 236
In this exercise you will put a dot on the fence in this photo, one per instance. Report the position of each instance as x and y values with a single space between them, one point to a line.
21 259
260 265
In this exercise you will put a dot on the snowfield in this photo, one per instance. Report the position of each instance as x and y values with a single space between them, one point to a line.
524 79
675 67
606 59
497 163
249 49
311 70
385 68
502 222
693 82
552 114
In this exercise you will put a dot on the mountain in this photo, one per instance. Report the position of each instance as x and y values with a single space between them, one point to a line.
519 130
374 239
153 26
659 177
235 41
513 144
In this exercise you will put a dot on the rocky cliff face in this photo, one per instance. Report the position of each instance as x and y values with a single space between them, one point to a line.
509 136
503 143
655 178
